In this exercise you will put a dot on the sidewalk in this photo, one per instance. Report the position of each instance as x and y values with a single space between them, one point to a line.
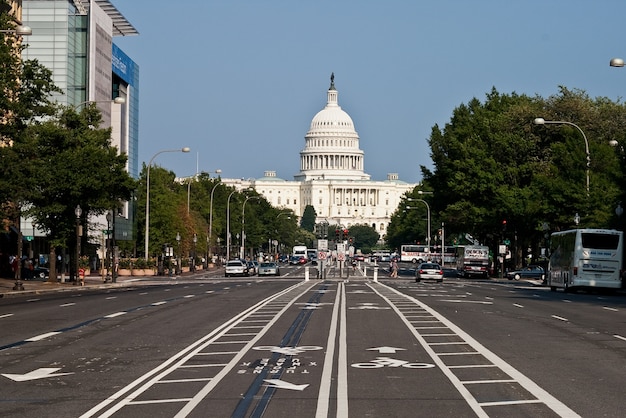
93 281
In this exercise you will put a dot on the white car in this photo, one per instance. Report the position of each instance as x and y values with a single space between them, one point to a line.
429 271
236 268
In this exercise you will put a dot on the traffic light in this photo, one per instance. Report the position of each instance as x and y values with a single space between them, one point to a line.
336 235
345 234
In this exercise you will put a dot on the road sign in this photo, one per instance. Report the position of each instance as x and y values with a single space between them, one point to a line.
341 256
321 255
322 244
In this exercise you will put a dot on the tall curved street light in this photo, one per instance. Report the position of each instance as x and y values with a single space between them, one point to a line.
427 216
117 100
211 219
191 178
243 222
20 30
228 225
542 121
147 234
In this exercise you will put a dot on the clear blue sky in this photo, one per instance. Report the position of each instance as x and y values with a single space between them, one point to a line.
239 81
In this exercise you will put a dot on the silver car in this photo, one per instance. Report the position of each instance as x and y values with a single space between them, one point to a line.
429 271
269 269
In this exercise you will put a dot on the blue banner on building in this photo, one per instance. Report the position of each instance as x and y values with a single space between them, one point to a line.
123 66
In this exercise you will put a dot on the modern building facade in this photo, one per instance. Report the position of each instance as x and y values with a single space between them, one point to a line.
332 178
74 39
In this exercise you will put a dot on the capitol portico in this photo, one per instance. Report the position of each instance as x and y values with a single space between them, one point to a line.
332 178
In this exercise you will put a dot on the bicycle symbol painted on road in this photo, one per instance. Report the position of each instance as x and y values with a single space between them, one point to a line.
390 362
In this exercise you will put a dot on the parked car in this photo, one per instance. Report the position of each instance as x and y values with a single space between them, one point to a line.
236 268
37 273
429 271
283 259
269 269
359 257
531 271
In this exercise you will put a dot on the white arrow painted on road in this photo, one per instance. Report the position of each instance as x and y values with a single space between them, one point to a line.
42 373
281 384
386 350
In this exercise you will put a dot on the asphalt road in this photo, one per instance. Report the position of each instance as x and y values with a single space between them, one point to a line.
286 347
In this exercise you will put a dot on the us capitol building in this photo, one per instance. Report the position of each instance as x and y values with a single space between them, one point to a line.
331 177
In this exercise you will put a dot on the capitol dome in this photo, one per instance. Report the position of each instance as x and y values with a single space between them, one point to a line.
332 144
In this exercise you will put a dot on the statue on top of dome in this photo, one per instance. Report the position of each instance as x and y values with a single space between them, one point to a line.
332 81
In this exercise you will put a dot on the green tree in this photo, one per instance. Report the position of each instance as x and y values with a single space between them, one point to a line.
364 237
308 218
73 163
25 99
491 164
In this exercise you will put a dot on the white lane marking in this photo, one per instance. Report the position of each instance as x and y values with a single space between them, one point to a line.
518 305
189 296
610 309
111 297
560 318
620 337
42 336
32 300
324 392
538 392
6 315
42 373
281 384
466 301
113 315
342 360
159 303
67 304
127 394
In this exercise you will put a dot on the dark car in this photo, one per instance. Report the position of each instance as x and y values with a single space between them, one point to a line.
529 272
37 273
296 260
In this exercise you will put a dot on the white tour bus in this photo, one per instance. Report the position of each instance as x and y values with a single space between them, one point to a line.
585 258
415 253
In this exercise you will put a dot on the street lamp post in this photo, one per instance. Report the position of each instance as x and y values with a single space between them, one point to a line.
109 256
427 216
243 229
20 30
218 171
147 232
117 100
178 270
210 254
193 256
541 121
228 225
77 211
